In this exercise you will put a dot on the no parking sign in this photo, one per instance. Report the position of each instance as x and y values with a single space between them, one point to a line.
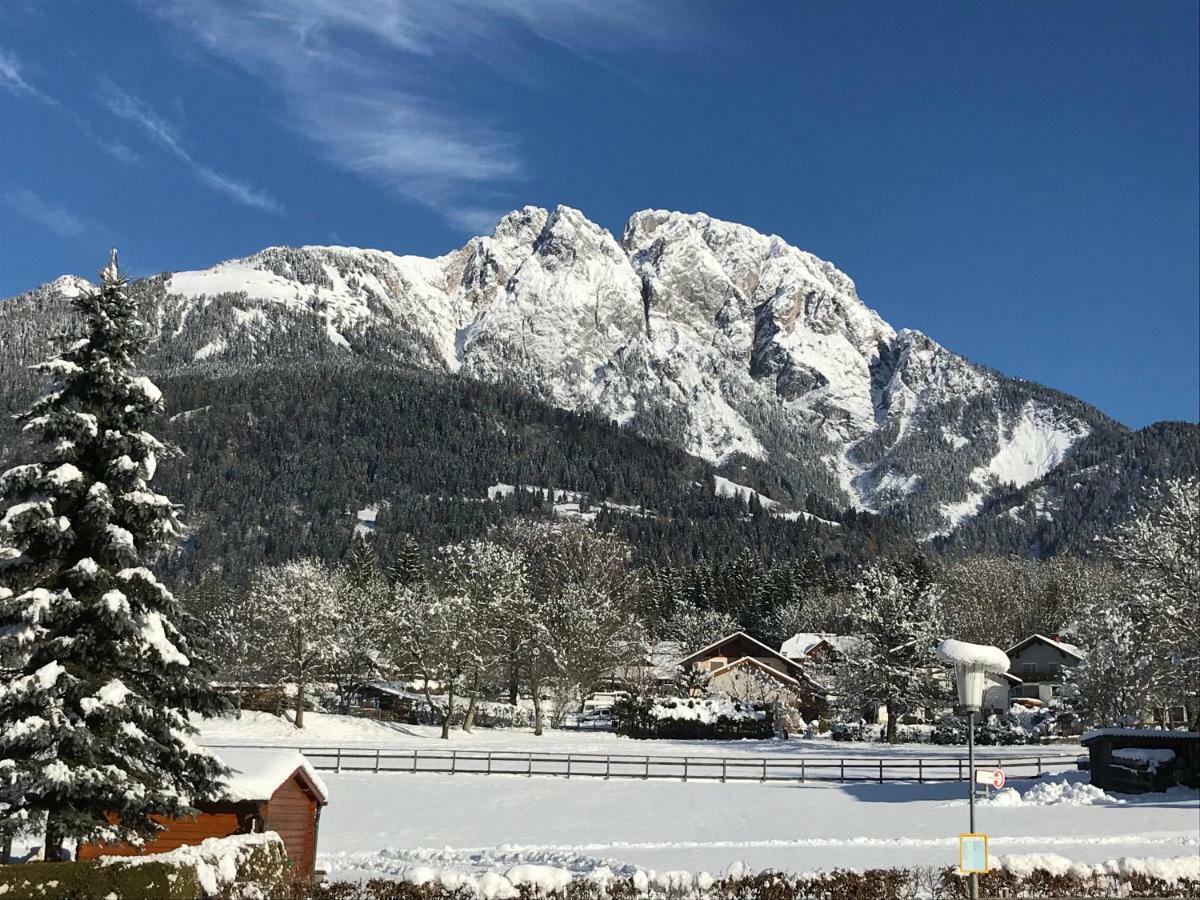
991 777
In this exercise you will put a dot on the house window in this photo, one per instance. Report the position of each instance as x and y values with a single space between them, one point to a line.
1028 668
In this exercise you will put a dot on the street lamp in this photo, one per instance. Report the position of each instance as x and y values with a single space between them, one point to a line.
972 664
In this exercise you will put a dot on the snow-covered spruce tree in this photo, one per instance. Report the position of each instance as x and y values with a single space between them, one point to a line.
408 569
893 613
97 679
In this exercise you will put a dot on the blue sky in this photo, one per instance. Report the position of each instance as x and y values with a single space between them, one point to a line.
1019 180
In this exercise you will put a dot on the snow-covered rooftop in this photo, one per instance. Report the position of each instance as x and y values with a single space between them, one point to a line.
961 653
1162 733
801 644
1069 649
257 774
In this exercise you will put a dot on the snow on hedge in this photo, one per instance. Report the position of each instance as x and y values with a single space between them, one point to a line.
705 709
218 862
991 659
1170 869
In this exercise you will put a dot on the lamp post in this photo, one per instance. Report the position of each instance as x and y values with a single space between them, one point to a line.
972 663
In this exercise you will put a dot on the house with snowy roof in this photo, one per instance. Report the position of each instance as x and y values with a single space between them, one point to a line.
1043 664
267 790
816 646
744 667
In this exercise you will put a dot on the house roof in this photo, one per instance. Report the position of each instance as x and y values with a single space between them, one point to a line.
729 637
1069 649
395 688
1007 676
750 660
805 642
1159 733
257 774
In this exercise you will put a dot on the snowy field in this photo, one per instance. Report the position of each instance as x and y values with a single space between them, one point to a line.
377 825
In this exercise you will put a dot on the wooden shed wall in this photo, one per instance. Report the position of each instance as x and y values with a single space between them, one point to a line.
292 812
178 833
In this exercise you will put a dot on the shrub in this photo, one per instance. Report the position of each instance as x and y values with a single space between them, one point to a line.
217 867
694 718
92 880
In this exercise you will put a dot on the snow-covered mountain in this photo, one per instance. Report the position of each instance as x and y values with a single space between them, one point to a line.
732 344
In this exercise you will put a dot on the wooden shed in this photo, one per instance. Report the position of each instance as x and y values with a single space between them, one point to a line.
269 790
1136 760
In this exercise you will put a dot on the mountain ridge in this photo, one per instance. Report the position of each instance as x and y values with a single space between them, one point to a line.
733 345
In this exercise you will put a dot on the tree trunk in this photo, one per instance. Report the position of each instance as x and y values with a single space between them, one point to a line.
6 850
513 692
52 850
300 686
537 708
469 718
891 726
449 713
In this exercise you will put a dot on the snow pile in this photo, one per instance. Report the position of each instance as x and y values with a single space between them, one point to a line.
1138 756
991 659
1065 792
705 709
257 774
217 861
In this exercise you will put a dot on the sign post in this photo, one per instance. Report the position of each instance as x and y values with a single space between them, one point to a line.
973 854
990 779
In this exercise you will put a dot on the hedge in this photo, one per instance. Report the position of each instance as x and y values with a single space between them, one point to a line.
218 867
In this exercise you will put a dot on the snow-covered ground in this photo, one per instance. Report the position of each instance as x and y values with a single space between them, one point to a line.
377 825
325 730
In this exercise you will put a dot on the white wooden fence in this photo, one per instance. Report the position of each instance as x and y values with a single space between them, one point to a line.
685 768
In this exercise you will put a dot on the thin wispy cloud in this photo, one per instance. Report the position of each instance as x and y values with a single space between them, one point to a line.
131 108
355 76
59 221
12 80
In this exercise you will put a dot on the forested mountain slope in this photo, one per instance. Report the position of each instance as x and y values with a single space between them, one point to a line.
1105 478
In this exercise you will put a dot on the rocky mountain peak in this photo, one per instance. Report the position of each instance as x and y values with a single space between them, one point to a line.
732 344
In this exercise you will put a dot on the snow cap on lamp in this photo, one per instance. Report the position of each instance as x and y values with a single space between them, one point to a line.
972 663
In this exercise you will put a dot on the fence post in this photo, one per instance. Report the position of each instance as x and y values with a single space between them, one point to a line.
960 778
646 770
415 752
568 766
607 767
723 762
920 770
489 762
338 764
764 774
842 770
881 771
801 769
453 761
376 760
529 766
685 767
1039 765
